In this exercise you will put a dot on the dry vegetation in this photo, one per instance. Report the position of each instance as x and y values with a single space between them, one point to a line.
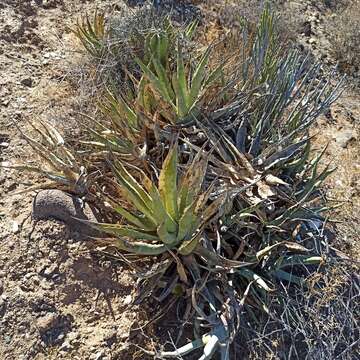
345 33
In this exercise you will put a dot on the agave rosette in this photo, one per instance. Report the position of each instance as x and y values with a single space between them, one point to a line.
221 220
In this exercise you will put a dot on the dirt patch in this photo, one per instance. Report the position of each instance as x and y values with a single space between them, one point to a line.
56 300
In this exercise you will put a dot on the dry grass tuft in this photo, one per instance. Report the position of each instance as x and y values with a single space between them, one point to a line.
320 323
345 35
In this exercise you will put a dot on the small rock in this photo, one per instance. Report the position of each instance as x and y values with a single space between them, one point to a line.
2 307
50 270
60 337
344 137
127 300
46 285
47 322
26 286
27 82
64 207
97 356
123 335
4 144
14 227
7 339
66 346
5 102
73 337
110 338
29 275
307 29
312 41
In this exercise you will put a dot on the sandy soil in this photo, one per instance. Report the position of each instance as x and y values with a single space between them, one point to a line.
58 300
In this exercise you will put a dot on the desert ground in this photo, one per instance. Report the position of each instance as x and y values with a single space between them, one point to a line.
58 299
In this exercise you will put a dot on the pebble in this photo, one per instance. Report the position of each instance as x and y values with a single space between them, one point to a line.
15 227
66 346
5 102
30 275
98 355
4 144
344 137
27 82
50 270
127 300
46 322
60 337
73 337
46 285
2 306
7 339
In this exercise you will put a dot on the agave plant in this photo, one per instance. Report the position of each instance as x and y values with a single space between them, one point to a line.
179 87
120 133
221 222
58 164
92 34
168 216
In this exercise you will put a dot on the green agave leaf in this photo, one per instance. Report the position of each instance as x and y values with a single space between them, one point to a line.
197 81
124 230
104 140
162 49
57 178
181 81
90 30
313 184
139 248
284 155
130 114
168 92
250 275
156 82
214 75
134 191
189 246
141 222
168 183
99 24
283 275
191 181
165 236
187 223
158 207
181 108
49 157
